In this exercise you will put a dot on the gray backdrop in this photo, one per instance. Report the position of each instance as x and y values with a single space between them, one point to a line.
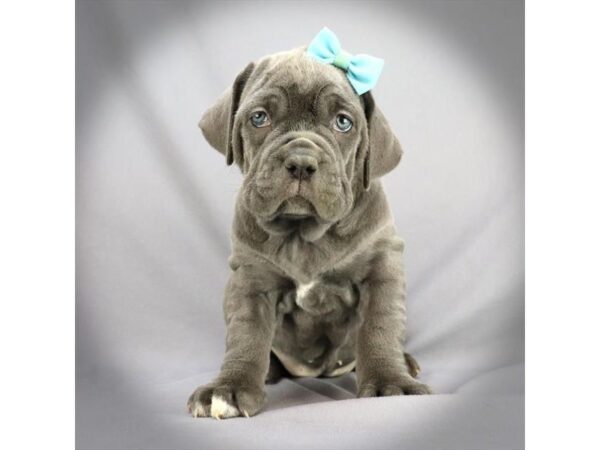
155 203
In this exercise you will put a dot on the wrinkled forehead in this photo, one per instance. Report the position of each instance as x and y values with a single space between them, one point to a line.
300 77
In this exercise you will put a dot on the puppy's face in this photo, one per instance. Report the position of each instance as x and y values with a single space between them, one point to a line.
300 129
300 134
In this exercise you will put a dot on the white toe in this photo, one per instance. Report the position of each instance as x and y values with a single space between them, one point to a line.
220 409
197 410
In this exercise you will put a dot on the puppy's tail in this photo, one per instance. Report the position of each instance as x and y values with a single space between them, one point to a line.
413 366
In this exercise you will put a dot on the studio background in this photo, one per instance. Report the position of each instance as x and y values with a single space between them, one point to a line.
155 205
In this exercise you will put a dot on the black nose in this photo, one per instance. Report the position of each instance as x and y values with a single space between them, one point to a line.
301 167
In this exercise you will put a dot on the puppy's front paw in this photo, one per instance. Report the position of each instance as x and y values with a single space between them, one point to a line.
386 386
223 400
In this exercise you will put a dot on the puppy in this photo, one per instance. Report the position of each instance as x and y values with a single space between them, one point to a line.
317 284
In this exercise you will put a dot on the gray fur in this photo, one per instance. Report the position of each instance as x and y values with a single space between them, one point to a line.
317 284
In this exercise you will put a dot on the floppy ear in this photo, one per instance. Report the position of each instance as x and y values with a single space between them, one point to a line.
217 122
383 152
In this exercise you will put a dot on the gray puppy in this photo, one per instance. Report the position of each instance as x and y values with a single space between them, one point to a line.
317 285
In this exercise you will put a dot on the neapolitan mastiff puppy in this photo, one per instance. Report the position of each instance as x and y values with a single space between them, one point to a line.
317 285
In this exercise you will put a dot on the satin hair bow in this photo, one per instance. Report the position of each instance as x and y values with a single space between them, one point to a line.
362 70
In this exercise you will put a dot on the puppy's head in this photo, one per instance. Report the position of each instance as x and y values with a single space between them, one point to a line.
306 143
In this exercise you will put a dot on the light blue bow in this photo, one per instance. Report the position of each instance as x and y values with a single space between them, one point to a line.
362 70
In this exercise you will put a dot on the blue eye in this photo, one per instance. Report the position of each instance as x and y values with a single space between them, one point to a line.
259 119
343 123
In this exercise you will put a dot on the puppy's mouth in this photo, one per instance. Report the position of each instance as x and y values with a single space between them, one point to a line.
286 216
294 212
296 215
295 208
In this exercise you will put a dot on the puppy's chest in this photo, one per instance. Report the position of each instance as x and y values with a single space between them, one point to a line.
302 261
325 283
323 297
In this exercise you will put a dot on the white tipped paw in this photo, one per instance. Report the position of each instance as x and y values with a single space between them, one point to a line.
223 401
221 409
197 410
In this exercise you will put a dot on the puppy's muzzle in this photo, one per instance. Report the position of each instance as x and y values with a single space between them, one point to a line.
301 167
301 161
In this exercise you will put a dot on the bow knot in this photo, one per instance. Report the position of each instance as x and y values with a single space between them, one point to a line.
361 70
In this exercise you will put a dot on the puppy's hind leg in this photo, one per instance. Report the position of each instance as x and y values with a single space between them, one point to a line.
276 370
